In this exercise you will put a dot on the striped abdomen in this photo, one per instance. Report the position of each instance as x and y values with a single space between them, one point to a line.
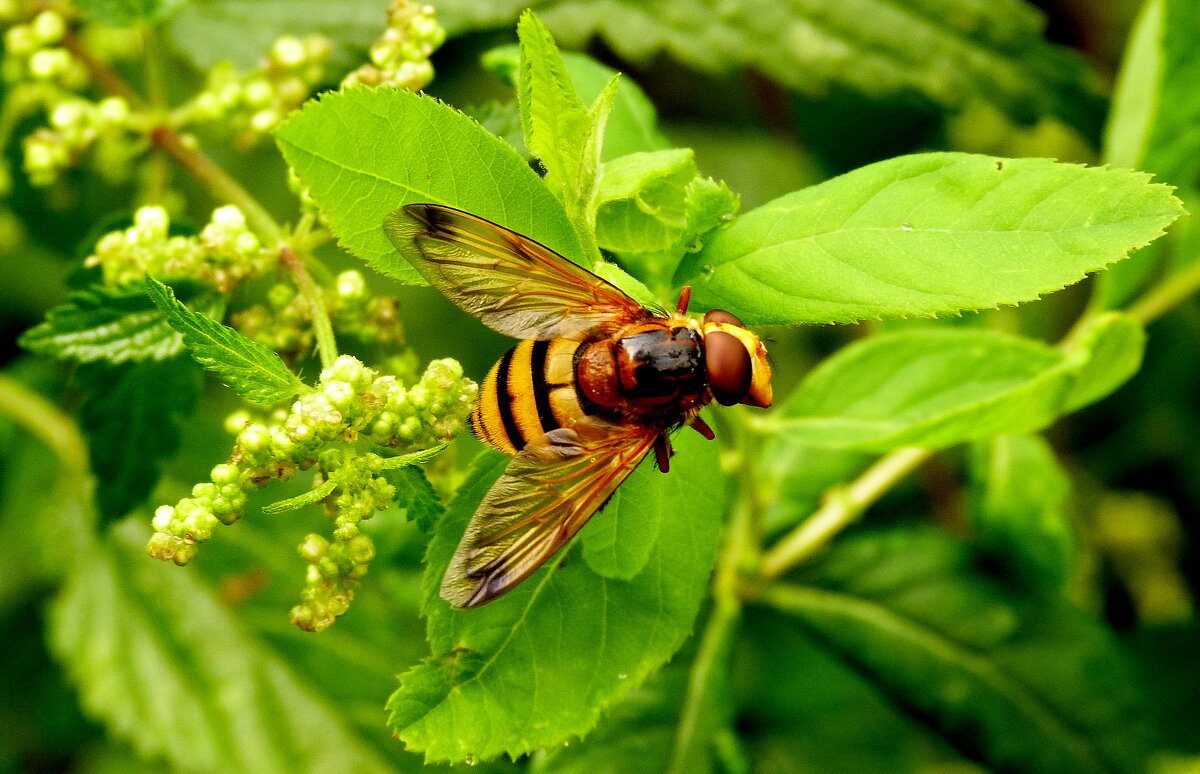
529 392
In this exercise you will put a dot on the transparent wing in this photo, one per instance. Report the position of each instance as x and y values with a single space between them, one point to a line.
547 493
510 282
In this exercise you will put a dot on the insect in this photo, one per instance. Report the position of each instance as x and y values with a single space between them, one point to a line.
597 382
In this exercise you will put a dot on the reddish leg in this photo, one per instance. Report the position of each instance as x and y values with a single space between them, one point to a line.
701 427
662 452
685 296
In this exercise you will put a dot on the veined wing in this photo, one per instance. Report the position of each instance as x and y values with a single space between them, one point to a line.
513 284
547 493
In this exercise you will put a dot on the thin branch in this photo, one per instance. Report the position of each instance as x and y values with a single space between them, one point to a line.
322 326
840 509
1166 295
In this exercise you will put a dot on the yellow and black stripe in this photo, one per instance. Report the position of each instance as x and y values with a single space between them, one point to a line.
529 392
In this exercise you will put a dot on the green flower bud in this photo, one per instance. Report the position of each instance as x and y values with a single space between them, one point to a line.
48 27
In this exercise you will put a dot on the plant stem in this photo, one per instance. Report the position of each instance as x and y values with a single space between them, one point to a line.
840 509
219 183
322 327
44 421
1167 294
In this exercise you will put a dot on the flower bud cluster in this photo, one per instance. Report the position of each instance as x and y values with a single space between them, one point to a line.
224 253
350 402
76 126
33 54
334 569
401 57
255 102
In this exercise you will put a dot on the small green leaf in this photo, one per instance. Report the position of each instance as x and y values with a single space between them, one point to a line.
133 417
364 152
312 496
1019 492
927 234
416 496
113 325
1015 683
525 687
126 13
414 458
250 369
565 135
633 123
641 201
931 387
1111 348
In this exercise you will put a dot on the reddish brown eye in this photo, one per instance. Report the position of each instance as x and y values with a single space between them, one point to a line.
728 366
721 316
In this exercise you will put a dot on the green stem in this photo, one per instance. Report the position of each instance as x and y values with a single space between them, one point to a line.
222 187
44 421
1166 295
322 326
840 509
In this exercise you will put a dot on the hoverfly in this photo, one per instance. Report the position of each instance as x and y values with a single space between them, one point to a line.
598 381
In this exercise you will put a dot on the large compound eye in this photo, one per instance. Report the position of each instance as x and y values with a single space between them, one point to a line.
721 316
728 364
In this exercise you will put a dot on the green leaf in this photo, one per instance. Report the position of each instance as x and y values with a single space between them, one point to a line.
628 283
167 668
113 325
242 31
640 203
1136 94
619 540
126 13
1111 348
416 496
506 678
1017 684
633 123
1018 497
994 49
311 497
364 152
930 387
564 135
133 417
250 369
926 234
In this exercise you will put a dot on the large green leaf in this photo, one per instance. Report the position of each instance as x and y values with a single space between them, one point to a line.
364 152
926 234
993 48
169 669
113 325
507 678
1018 684
931 387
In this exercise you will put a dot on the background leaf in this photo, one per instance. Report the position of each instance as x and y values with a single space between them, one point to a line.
992 48
407 148
1018 508
926 234
133 417
250 369
476 696
932 387
1112 345
121 13
1012 683
114 325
